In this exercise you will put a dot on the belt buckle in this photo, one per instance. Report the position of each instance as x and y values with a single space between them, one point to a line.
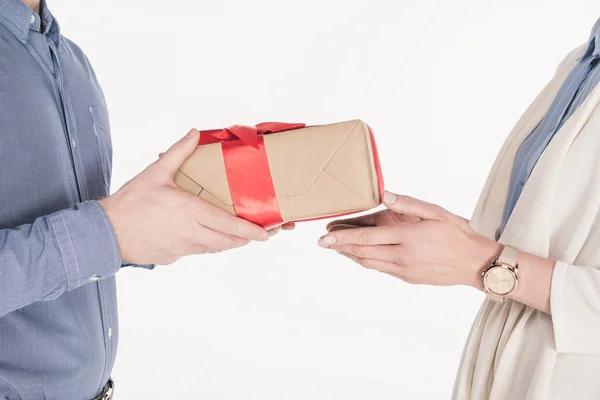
109 391
108 394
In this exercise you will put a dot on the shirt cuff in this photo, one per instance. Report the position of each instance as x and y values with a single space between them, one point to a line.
146 266
87 243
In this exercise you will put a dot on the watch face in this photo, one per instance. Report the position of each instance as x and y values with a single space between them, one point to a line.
500 281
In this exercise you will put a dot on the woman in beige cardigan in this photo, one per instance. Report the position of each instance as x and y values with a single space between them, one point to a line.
537 335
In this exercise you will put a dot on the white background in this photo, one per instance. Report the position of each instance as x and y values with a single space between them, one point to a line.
441 82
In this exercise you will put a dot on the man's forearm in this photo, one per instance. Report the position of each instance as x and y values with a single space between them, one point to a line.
56 253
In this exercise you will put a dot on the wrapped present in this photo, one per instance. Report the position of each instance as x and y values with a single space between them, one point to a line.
278 172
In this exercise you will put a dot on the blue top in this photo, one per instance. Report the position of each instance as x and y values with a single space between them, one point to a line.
58 251
578 85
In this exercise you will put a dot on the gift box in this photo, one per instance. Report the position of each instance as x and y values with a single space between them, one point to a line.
278 172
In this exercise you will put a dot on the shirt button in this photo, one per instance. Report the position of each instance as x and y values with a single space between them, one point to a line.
74 143
32 19
94 278
109 332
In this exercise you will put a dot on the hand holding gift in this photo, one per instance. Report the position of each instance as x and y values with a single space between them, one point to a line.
156 223
418 242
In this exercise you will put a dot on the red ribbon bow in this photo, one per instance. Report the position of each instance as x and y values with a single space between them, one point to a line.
248 171
247 134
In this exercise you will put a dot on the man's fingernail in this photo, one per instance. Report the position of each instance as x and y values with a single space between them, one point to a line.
264 237
327 241
191 134
389 197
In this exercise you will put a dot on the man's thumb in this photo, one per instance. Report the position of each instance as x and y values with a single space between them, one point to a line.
177 154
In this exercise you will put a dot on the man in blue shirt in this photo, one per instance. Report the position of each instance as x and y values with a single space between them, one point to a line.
61 238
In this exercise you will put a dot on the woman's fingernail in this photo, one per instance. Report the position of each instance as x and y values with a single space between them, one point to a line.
273 232
389 197
327 241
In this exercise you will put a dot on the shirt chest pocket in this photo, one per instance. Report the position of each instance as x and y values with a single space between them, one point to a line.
101 129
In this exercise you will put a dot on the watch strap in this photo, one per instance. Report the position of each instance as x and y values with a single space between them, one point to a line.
509 256
495 298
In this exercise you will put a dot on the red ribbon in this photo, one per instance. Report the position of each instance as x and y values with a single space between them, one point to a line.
247 168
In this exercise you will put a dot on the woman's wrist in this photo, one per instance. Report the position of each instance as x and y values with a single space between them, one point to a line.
535 281
489 252
534 275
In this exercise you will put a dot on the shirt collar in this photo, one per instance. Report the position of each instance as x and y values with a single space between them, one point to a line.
51 26
593 48
20 19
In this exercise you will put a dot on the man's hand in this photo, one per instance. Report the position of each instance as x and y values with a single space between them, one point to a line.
157 223
289 226
436 247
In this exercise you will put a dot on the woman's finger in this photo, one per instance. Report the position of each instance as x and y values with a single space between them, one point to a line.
415 207
395 275
378 235
382 266
365 220
383 253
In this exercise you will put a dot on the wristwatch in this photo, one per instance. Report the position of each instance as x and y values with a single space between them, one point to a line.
500 280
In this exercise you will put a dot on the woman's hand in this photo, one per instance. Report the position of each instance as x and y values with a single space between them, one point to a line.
422 244
380 218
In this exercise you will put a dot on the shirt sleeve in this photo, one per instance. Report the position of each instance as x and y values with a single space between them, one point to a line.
575 306
56 253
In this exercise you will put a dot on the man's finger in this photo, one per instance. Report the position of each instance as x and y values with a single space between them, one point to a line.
202 249
221 221
217 241
411 206
370 236
288 226
179 152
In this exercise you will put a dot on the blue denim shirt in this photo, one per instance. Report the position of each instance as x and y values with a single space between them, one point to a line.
58 251
578 85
